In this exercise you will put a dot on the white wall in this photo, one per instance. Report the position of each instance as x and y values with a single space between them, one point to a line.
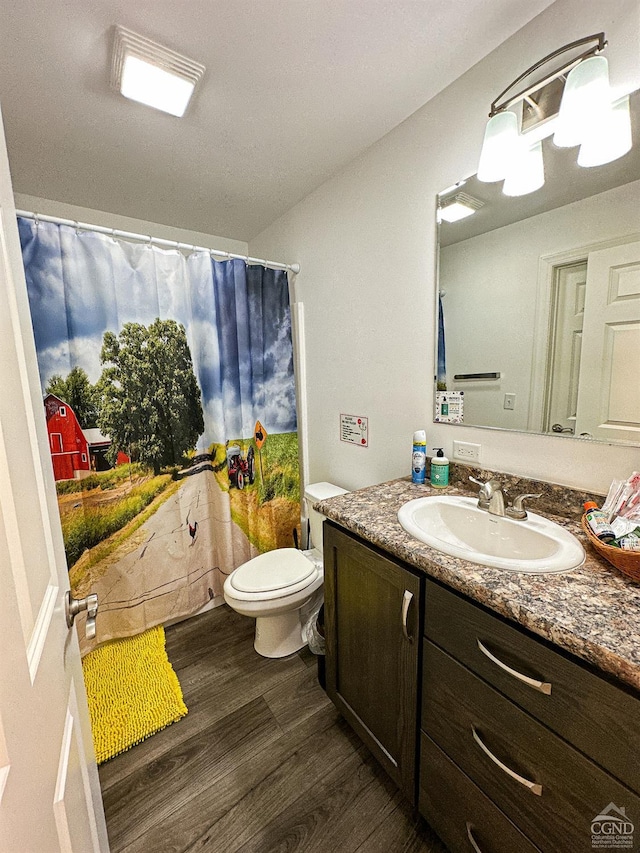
491 282
126 223
366 244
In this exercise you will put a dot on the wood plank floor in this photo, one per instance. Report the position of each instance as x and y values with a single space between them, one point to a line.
263 762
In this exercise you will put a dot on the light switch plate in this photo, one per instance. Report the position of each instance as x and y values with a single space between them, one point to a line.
510 401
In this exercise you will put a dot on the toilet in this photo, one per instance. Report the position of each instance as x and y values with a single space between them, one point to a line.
281 588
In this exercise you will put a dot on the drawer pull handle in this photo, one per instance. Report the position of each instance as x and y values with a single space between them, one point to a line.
542 686
534 787
472 840
406 601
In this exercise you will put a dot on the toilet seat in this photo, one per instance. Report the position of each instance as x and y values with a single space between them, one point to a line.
274 574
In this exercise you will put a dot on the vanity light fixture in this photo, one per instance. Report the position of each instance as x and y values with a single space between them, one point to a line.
458 207
151 74
573 102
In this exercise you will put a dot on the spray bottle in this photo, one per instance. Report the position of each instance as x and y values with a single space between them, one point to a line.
419 457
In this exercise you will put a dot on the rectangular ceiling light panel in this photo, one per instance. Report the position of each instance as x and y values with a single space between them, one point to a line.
151 74
459 207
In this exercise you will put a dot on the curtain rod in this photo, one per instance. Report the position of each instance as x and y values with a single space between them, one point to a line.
156 241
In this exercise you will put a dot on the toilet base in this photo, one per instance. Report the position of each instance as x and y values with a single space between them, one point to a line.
279 636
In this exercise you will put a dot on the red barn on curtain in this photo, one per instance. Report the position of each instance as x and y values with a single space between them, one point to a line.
67 444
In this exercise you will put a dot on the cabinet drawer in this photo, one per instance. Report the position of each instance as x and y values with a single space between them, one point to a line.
458 810
598 717
558 793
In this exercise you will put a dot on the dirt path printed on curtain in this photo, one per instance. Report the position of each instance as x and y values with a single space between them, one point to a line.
169 565
177 552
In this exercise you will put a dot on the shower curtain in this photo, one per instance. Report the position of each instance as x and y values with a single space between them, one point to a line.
441 380
169 394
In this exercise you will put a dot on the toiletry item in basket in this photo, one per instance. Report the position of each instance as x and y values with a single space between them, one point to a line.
439 469
629 538
419 457
629 543
624 498
598 522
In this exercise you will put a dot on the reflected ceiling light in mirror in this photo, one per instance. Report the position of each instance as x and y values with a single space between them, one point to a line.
586 117
458 207
151 74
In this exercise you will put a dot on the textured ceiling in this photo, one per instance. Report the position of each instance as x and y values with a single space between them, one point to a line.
294 89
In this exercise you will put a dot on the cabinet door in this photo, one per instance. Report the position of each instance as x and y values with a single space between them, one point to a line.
372 615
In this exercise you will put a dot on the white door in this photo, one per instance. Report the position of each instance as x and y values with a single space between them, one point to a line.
609 399
49 790
567 299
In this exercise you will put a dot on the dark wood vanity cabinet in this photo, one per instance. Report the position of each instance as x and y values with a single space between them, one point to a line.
546 740
373 608
515 745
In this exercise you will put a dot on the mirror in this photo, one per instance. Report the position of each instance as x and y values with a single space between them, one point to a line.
540 300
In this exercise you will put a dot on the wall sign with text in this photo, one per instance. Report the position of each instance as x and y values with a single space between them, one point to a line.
354 429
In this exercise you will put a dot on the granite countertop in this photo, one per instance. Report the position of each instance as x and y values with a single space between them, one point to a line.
592 612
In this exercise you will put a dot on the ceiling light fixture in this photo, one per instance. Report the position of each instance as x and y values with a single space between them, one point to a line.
573 102
459 207
151 74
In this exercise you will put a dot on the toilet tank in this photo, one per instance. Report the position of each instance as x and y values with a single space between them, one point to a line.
313 493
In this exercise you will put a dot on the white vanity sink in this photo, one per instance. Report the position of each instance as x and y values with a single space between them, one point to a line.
456 526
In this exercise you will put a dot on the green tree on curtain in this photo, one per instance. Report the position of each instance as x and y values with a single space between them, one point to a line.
150 402
77 392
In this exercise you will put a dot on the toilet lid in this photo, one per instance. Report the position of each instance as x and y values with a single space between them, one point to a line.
274 570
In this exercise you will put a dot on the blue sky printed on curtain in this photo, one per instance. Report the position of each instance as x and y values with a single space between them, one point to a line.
237 319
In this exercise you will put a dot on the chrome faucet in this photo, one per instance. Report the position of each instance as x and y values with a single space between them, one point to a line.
491 496
517 509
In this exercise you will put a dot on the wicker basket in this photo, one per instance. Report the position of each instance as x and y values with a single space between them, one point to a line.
627 562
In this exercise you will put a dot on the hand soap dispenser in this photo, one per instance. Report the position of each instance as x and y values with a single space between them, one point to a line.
439 469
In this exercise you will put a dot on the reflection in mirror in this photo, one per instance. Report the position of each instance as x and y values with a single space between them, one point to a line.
540 296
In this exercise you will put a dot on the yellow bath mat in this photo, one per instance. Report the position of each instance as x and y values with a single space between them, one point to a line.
133 692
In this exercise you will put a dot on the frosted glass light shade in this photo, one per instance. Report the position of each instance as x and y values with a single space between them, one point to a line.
499 147
611 139
526 173
586 102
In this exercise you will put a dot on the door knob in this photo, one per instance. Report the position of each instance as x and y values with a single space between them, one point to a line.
73 606
560 428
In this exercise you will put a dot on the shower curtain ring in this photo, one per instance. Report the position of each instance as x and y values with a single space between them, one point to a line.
36 219
77 227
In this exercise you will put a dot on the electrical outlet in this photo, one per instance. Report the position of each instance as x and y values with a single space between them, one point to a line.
510 401
466 451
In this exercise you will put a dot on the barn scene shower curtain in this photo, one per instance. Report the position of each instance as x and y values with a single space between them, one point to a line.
169 395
